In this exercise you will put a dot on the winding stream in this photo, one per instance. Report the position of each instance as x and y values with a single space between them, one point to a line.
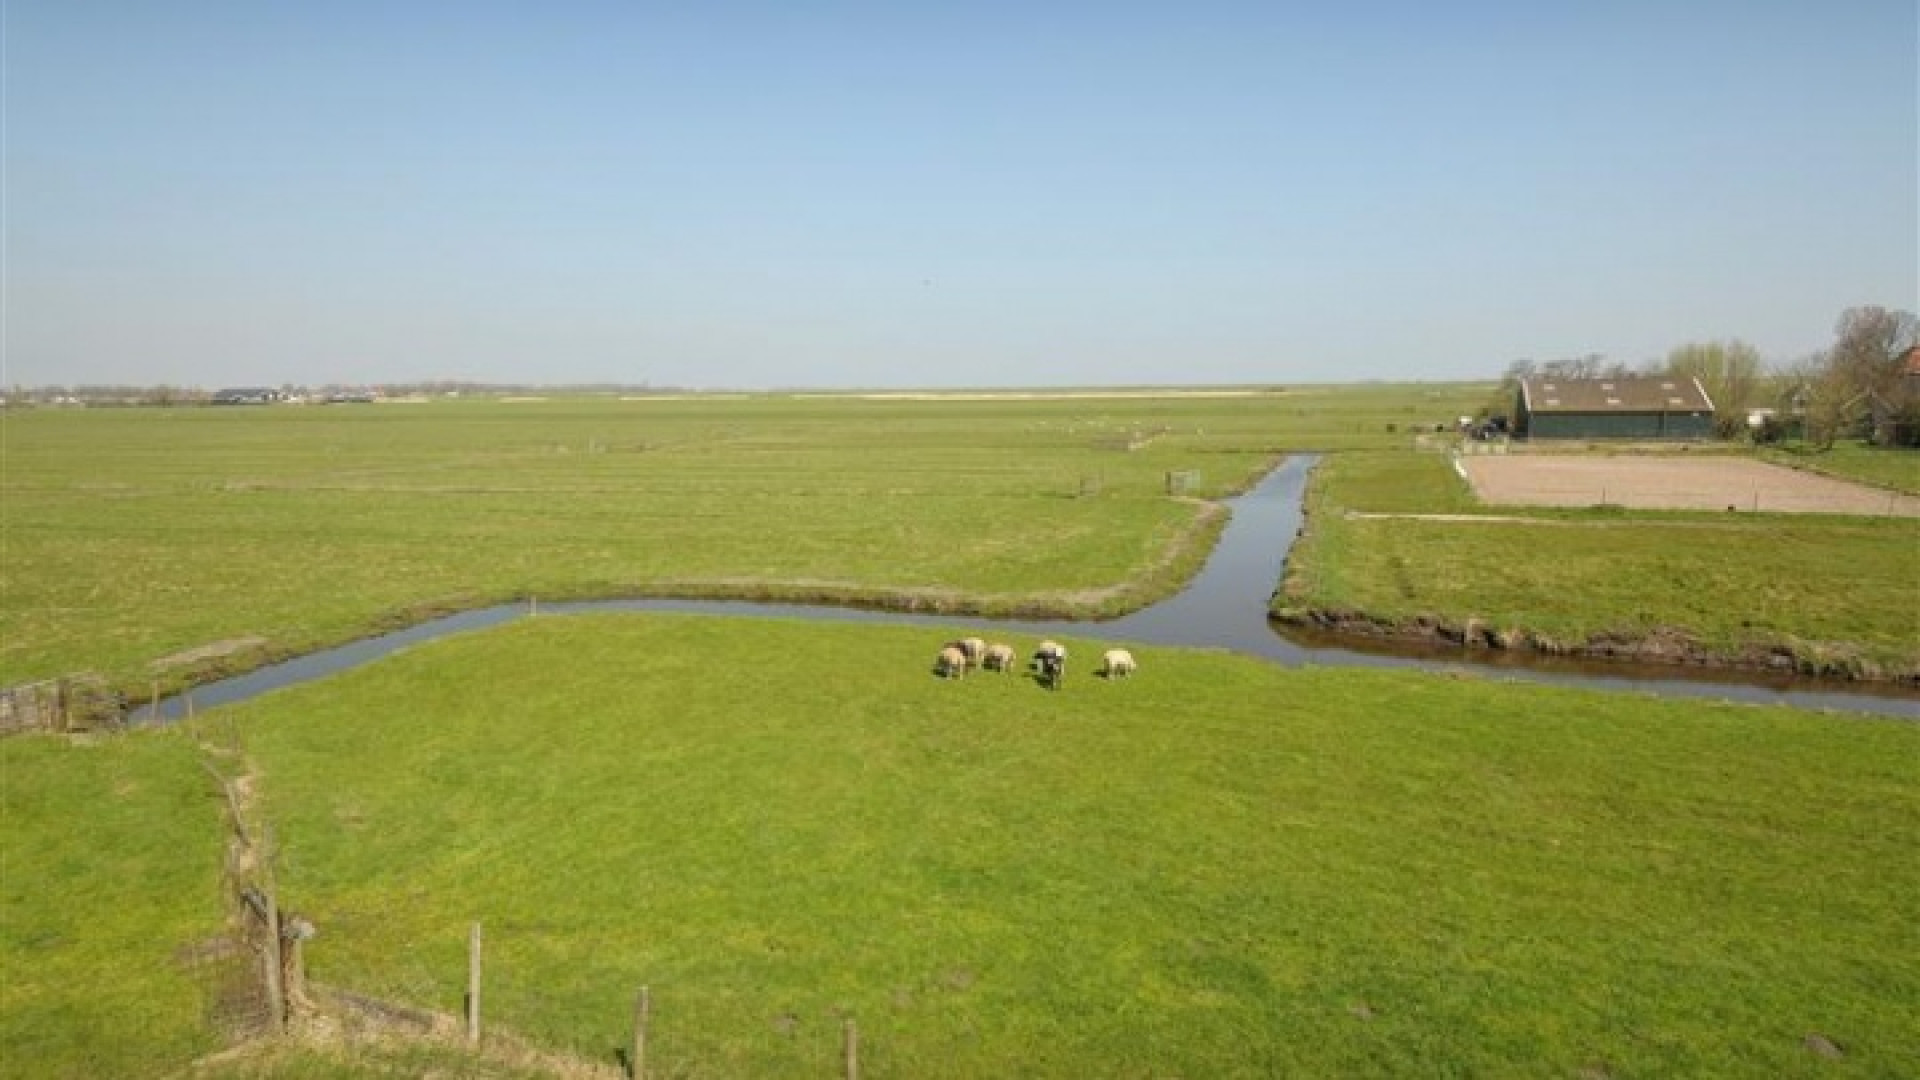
1225 607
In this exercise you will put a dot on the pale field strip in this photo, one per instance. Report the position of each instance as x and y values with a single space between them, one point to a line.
1673 484
977 395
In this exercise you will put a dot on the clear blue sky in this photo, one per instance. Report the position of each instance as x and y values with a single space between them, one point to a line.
981 193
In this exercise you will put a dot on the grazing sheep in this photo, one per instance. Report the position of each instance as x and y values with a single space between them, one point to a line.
1051 660
1117 664
951 664
999 658
973 648
1053 669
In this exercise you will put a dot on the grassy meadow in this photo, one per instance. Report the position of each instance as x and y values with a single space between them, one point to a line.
1894 468
110 856
134 536
1218 868
1743 581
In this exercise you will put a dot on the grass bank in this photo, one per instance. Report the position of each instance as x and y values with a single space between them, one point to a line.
1218 868
185 543
1835 595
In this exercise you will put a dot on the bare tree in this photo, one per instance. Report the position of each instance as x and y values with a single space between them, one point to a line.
1844 389
1589 366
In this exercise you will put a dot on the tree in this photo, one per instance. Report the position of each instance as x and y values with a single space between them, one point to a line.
1504 396
1868 361
1590 366
1859 380
1730 372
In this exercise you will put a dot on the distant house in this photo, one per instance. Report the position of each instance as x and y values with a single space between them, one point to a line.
1625 407
1895 418
245 395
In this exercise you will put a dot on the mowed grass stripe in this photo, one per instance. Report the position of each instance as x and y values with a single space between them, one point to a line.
1218 868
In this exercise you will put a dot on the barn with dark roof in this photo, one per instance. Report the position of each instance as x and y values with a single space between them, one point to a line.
1625 407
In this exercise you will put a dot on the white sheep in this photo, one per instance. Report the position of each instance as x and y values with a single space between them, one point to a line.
951 664
999 657
1117 664
973 648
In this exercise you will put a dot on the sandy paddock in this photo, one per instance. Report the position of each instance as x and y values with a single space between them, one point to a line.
1671 483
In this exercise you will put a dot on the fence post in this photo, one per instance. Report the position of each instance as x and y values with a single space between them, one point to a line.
637 1060
850 1041
296 982
276 986
473 986
154 702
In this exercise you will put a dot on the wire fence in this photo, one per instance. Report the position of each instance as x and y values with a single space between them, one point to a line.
1752 500
70 704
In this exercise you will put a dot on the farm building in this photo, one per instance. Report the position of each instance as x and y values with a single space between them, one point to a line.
1895 419
245 395
1624 407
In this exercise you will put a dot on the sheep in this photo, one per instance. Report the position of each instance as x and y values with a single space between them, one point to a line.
1051 660
1118 664
973 648
951 663
999 658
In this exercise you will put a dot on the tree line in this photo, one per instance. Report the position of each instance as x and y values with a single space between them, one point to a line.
1865 385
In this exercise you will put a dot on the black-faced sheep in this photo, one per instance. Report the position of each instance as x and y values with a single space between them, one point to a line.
1051 661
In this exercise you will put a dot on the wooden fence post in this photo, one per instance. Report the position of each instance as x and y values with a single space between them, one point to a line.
637 1060
850 1040
473 986
276 986
296 981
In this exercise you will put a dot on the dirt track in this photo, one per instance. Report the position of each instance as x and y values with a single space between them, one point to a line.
1673 484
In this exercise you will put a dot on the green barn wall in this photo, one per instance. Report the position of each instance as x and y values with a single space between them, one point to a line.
1561 425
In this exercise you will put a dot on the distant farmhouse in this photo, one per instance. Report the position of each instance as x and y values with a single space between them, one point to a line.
1624 407
245 395
1895 418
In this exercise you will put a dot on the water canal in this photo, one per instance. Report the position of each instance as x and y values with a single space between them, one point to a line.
1224 607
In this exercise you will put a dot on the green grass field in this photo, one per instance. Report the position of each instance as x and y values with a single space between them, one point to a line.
136 535
1220 868
1887 467
110 855
1737 583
